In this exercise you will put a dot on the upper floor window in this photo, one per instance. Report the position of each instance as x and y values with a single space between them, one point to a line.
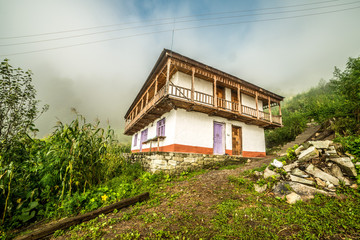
160 129
135 140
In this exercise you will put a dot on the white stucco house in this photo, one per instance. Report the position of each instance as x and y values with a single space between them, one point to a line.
189 107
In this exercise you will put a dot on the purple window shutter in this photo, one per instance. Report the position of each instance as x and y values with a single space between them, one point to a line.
135 140
163 127
160 127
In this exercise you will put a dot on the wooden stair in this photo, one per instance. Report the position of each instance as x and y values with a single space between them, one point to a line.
301 138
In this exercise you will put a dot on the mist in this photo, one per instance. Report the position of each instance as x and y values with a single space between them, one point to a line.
100 80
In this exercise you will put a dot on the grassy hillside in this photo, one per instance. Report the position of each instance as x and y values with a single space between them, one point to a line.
337 100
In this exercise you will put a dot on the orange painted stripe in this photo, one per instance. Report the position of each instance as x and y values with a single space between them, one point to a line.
194 149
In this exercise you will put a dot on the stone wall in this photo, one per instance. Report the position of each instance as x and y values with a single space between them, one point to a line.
175 163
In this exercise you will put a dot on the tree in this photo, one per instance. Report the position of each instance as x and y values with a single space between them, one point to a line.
347 84
18 106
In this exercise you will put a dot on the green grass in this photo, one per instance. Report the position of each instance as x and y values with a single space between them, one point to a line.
243 214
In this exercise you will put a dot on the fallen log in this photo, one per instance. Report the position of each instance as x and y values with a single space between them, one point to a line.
68 222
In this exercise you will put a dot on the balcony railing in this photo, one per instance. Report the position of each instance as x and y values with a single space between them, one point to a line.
203 99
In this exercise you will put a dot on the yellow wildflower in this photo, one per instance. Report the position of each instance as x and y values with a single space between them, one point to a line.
104 197
19 200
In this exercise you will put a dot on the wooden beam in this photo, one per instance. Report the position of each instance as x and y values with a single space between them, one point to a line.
192 83
215 96
68 222
269 103
147 97
257 104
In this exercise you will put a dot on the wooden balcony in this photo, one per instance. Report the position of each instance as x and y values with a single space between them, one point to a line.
172 97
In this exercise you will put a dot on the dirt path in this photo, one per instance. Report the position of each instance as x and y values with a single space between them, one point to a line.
177 206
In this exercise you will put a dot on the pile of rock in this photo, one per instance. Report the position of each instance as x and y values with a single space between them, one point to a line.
320 167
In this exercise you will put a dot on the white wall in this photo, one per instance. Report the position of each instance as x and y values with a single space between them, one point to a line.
250 101
170 126
184 80
196 129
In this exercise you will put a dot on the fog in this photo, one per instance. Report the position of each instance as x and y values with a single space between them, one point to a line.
100 74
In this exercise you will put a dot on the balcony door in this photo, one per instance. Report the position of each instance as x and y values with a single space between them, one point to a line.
219 138
236 140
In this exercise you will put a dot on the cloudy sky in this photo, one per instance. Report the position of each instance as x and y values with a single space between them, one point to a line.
95 55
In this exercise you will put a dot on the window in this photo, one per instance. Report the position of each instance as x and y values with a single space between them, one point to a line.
160 130
135 139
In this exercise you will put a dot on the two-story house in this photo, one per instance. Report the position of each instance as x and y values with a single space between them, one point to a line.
187 106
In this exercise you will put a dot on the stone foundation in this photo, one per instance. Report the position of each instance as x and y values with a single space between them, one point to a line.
176 163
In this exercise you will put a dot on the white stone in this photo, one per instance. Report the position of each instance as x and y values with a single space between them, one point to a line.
346 165
321 174
277 163
303 189
172 162
321 144
289 167
159 162
260 189
308 154
336 171
331 151
292 198
269 173
299 173
299 149
301 180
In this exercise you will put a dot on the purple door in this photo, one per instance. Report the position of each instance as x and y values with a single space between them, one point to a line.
143 138
219 143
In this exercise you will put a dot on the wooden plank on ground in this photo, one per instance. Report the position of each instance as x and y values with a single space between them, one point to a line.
68 222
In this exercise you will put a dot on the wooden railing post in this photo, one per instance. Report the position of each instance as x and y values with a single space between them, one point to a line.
215 96
168 75
156 84
239 99
280 113
257 104
192 83
269 103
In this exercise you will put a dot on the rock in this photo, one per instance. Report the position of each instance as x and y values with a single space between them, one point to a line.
331 151
248 161
336 172
302 189
321 144
322 175
301 180
346 165
288 167
308 153
299 173
357 164
320 183
258 174
277 163
354 186
299 149
292 198
269 173
260 189
282 188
